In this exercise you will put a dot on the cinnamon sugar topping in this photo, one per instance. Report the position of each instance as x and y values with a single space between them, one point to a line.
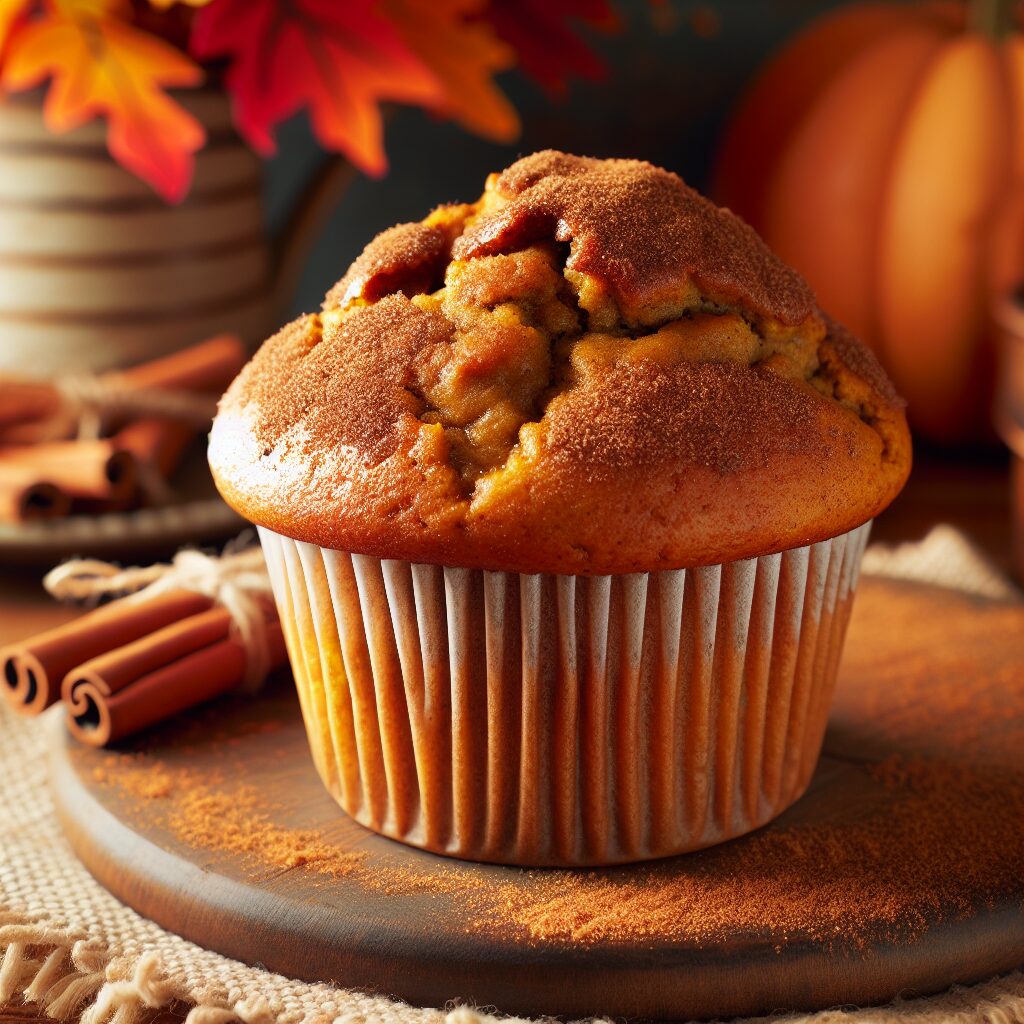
641 414
642 231
405 258
408 258
345 376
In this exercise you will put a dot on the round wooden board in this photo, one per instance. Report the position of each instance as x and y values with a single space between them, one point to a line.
834 903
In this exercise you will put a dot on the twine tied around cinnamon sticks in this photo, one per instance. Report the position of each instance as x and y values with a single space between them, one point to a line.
185 632
88 400
84 444
237 581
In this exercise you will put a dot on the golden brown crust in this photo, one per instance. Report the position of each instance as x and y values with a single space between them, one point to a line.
604 409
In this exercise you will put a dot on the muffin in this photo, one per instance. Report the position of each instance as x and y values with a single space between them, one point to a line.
563 495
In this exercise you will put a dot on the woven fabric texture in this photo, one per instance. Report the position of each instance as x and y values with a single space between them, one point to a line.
68 945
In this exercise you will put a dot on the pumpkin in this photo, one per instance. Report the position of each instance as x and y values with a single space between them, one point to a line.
881 153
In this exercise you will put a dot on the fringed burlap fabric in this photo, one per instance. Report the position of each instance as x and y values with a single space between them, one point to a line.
69 946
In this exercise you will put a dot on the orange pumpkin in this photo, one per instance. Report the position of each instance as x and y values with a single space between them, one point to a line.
882 154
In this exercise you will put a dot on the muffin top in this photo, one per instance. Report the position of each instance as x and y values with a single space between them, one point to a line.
592 369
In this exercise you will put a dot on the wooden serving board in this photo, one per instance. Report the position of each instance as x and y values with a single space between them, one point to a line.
900 871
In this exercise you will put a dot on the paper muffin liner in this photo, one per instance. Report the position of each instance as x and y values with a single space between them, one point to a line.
564 720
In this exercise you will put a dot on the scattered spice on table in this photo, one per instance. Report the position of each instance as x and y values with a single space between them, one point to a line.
751 886
234 822
931 826
233 819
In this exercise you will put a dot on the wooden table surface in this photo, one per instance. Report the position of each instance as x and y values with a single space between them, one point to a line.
971 493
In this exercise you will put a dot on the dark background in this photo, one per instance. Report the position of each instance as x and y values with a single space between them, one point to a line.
674 72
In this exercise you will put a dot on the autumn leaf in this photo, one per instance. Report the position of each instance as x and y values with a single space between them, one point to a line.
541 33
102 66
338 60
10 13
464 54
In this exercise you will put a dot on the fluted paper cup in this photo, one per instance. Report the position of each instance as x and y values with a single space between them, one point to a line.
564 720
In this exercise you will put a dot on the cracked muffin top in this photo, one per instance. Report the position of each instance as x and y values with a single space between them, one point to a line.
592 369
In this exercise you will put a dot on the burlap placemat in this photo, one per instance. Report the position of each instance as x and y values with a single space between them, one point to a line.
71 947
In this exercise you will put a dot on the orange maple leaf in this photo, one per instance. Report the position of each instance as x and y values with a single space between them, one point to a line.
336 59
100 65
464 54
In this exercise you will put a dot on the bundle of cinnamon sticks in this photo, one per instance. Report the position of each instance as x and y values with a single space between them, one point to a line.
140 422
136 661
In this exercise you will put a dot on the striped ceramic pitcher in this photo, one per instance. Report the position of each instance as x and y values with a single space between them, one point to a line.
97 271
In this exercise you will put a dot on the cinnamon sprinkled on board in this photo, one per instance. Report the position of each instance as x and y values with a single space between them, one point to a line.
147 783
916 815
213 815
889 874
235 822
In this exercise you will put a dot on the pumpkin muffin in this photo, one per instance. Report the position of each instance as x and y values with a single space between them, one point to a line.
563 494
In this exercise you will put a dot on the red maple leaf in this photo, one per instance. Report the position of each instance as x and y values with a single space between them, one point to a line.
336 59
549 49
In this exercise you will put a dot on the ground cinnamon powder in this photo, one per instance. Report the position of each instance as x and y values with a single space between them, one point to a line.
212 815
232 822
926 849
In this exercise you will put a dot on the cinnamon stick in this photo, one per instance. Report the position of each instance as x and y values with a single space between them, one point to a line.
25 496
156 446
34 669
94 470
25 400
174 668
208 367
